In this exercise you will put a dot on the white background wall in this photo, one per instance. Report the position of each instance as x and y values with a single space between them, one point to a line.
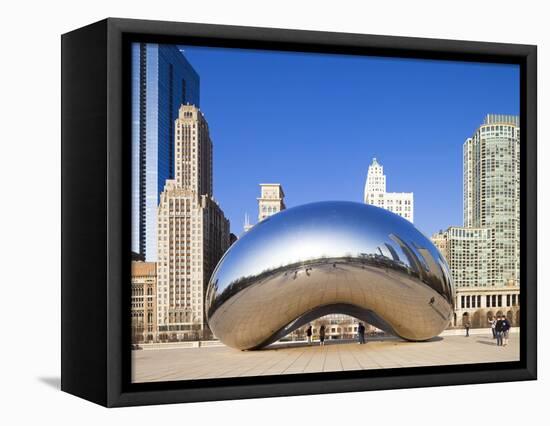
30 209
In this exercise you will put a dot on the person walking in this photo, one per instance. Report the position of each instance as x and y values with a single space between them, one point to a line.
493 322
322 336
467 324
505 330
361 333
309 333
498 330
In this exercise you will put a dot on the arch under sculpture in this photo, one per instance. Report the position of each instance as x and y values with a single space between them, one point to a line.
323 258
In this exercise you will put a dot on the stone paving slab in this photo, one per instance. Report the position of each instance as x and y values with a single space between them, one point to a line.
221 361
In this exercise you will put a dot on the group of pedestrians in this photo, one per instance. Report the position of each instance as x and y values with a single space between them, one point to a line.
309 334
322 333
500 327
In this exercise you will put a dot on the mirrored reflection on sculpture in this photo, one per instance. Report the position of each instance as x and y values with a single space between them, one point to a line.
323 258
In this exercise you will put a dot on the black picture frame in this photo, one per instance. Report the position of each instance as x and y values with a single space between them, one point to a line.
96 209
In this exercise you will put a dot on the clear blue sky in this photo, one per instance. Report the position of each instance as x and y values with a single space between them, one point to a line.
313 122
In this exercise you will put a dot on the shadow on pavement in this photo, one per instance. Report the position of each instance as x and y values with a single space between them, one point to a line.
433 339
303 344
484 342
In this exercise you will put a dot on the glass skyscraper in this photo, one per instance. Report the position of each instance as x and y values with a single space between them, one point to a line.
485 251
162 80
492 189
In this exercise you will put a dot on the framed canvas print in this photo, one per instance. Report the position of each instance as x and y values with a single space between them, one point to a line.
253 212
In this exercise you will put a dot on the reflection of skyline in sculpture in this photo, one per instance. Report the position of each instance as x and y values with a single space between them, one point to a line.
323 258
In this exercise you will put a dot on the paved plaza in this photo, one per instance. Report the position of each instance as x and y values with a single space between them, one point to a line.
215 362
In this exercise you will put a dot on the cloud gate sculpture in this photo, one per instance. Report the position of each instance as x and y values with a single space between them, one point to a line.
324 258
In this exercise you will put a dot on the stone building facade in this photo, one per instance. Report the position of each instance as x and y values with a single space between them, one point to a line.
144 302
271 200
480 305
193 232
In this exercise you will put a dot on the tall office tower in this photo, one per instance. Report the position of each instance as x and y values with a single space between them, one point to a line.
468 254
162 80
401 203
271 201
193 232
491 191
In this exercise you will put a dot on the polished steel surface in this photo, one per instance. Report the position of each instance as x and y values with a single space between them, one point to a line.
329 257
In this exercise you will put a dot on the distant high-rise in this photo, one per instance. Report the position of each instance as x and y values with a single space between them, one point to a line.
492 190
440 241
247 225
193 232
468 253
401 203
162 80
271 201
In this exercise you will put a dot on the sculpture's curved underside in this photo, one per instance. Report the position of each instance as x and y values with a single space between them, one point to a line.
329 257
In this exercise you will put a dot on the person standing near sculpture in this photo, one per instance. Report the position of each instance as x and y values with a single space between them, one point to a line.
322 336
308 334
361 333
493 322
505 330
467 324
498 330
